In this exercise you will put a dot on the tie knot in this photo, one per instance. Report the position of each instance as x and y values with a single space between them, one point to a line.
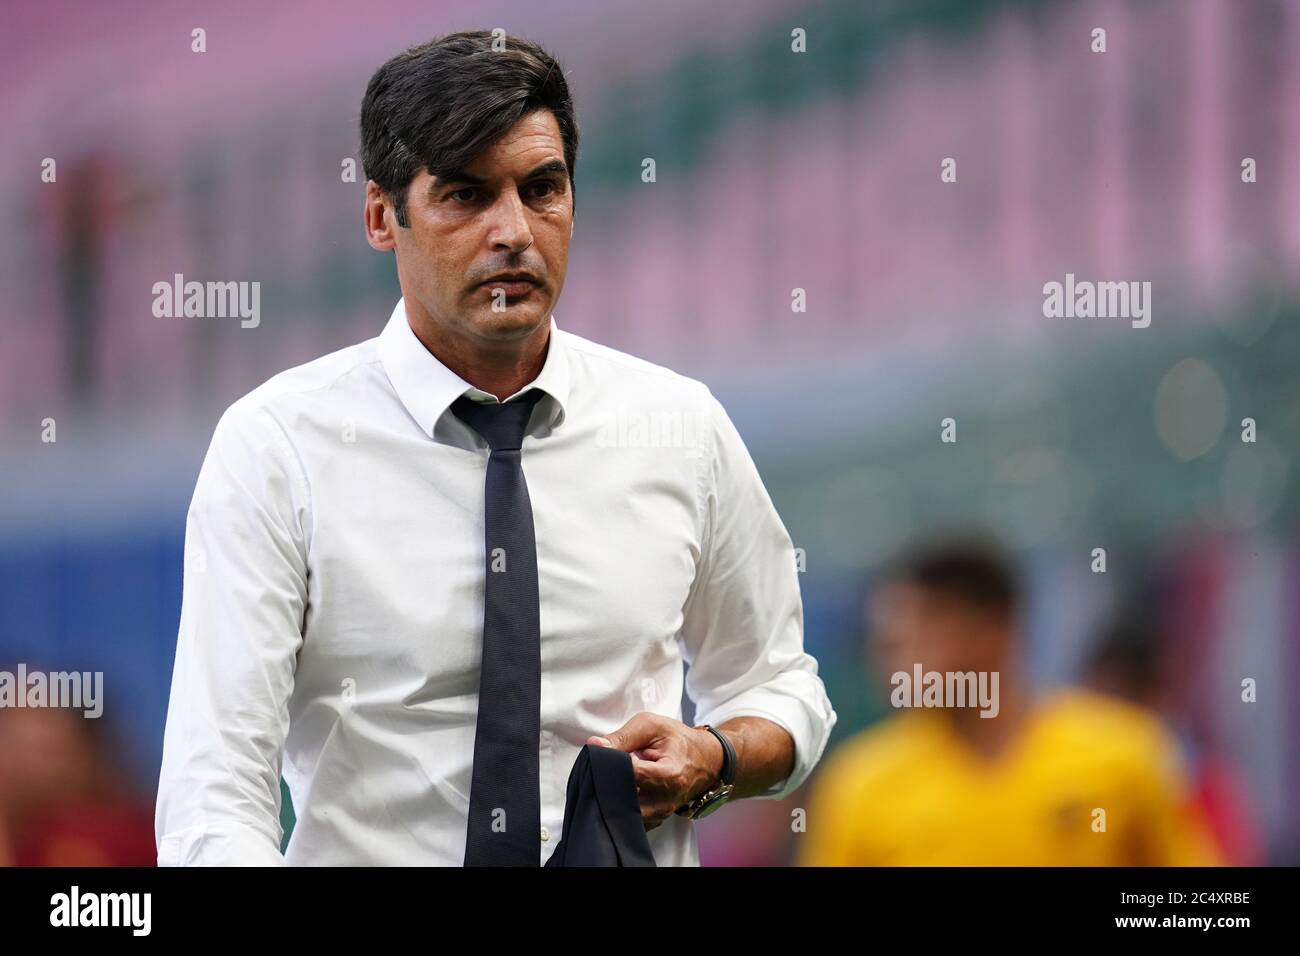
502 425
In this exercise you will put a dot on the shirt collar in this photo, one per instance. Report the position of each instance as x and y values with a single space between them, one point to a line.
427 387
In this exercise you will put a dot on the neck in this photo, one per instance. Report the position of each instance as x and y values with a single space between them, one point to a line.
991 735
498 367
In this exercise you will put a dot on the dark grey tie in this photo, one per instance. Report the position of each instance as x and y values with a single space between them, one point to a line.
505 797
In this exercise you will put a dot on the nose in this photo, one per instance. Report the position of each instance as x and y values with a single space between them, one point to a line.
510 230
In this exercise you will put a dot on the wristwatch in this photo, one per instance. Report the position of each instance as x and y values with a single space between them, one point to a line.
714 797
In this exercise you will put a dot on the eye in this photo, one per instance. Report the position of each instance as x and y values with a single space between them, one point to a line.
546 187
472 190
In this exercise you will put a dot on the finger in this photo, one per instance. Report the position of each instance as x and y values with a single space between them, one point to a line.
641 730
655 774
656 810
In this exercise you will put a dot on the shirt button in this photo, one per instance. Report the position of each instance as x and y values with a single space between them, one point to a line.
546 834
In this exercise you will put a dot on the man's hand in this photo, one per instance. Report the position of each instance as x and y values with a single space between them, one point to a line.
672 762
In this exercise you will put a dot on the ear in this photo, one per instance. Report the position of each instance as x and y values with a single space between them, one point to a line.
378 219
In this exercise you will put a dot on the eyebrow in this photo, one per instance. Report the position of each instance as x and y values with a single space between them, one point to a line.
460 176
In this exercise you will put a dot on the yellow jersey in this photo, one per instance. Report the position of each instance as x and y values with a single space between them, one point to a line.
1088 781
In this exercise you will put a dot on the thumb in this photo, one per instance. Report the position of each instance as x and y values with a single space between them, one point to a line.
640 730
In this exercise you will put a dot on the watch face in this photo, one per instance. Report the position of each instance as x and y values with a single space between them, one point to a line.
713 802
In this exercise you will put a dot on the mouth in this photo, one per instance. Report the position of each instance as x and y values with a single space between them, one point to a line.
512 285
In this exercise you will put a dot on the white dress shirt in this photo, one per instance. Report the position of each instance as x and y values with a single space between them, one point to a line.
332 619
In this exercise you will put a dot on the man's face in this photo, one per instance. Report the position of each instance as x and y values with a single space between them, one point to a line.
913 624
510 210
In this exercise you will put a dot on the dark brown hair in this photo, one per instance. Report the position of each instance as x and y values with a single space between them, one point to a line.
439 105
971 569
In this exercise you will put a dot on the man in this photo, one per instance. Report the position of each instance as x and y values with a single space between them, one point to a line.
1061 778
424 571
1131 659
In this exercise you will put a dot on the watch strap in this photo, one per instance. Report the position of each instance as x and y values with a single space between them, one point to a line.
728 775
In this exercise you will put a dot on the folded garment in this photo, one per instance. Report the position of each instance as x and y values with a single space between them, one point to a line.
602 816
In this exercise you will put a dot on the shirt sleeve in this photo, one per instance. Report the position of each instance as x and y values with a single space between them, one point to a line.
244 595
742 631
